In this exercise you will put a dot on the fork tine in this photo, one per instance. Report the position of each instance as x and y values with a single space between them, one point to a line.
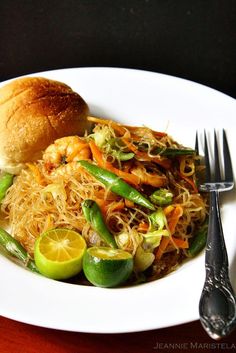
227 160
217 175
207 162
196 144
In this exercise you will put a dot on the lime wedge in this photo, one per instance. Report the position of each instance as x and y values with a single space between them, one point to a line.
106 267
58 253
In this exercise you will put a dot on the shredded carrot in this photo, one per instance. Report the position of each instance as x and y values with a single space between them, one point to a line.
130 145
129 203
118 206
102 205
130 178
36 172
105 195
174 218
159 133
97 155
181 243
168 209
161 248
135 137
143 227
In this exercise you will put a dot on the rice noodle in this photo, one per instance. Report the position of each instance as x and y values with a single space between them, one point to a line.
38 201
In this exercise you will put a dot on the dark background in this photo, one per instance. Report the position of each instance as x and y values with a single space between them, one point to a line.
193 39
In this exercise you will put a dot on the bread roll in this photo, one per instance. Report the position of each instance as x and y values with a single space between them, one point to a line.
34 111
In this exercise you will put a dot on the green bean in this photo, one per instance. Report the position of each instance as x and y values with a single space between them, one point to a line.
6 181
199 240
161 197
172 152
117 185
14 248
93 215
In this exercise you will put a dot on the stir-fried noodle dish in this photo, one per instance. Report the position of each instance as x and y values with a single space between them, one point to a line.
142 182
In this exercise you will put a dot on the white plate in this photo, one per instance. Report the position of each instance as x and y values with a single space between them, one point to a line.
133 97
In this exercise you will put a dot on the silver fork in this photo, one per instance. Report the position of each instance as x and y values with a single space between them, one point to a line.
217 306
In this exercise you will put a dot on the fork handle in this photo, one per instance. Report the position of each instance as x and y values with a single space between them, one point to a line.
217 305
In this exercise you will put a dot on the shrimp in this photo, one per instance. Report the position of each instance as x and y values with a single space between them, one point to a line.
65 151
68 169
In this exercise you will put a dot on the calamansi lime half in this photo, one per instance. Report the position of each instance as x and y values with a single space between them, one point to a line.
59 252
106 267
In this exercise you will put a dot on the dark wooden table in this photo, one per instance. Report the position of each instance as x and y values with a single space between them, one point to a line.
190 39
22 338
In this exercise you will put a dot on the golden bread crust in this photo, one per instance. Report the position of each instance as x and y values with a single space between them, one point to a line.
34 111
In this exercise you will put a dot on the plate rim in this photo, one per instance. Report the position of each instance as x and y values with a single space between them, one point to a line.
192 316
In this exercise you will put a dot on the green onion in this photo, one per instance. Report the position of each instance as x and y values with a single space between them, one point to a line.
161 197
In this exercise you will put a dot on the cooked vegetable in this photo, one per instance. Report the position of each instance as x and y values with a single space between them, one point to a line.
157 229
129 188
161 197
122 156
117 150
152 239
101 136
158 219
6 181
14 248
103 163
143 259
162 247
117 185
199 240
144 156
173 152
93 215
173 219
180 243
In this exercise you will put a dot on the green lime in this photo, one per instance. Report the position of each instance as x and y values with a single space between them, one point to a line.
58 253
106 267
